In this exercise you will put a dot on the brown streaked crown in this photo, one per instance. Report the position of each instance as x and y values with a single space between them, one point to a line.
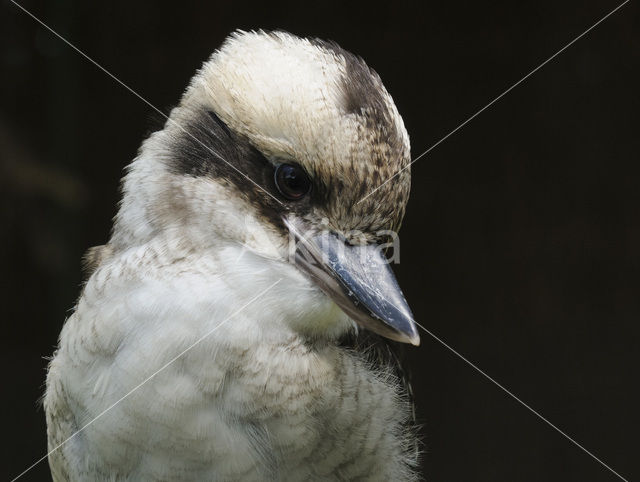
267 98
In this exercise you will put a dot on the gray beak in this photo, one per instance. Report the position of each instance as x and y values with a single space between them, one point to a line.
359 280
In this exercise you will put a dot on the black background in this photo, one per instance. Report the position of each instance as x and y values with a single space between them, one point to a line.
521 243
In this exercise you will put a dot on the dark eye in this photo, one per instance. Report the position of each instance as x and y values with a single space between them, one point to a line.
292 182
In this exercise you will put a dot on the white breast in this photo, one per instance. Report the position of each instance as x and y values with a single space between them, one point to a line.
251 401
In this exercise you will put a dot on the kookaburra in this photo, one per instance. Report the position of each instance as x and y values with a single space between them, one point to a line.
208 347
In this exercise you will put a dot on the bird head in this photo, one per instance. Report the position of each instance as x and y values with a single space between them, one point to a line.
276 145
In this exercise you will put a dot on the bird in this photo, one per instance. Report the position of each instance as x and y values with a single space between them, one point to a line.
216 334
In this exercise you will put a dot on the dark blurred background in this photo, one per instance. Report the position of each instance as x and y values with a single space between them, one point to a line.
521 243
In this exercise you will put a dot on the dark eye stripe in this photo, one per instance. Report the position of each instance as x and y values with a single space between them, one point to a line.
191 155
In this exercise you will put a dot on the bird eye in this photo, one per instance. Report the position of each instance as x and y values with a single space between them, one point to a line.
292 182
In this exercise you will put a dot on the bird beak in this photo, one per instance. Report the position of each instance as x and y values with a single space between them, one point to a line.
359 280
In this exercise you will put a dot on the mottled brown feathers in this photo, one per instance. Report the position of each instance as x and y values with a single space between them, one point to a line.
94 258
